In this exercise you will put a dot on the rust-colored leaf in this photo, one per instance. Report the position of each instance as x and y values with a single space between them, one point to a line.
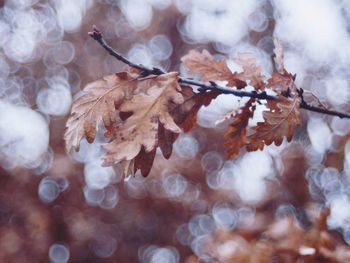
281 120
252 71
144 161
185 114
236 135
281 81
98 104
211 69
139 114
150 109
166 139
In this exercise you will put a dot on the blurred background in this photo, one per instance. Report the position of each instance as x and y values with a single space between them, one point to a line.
283 204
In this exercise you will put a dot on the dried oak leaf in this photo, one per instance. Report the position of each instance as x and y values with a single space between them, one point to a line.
211 69
184 115
236 135
281 81
252 71
280 121
137 136
98 104
139 114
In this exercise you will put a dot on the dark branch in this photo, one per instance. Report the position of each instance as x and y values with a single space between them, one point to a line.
213 86
308 107
97 35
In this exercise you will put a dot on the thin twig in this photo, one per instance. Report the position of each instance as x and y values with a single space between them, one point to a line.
238 93
308 107
97 35
145 71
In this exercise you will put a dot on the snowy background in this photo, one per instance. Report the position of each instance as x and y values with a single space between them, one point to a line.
67 208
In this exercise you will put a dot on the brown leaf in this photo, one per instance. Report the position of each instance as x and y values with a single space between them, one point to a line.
211 69
280 121
144 161
139 114
236 135
252 71
283 83
166 139
150 109
97 104
185 114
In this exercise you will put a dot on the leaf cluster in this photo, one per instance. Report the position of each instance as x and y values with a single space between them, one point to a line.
141 112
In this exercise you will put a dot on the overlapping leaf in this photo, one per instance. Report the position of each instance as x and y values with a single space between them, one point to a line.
133 111
138 113
98 104
211 69
281 81
280 122
283 115
142 113
149 108
252 71
236 135
185 116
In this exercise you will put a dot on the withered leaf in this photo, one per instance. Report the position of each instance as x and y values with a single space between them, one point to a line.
185 116
252 71
281 81
143 112
150 109
98 104
144 161
139 114
281 120
166 139
236 135
211 69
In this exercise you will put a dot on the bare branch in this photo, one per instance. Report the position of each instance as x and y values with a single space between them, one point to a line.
97 35
306 106
213 86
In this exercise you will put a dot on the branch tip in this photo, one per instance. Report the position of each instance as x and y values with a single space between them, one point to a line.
95 33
